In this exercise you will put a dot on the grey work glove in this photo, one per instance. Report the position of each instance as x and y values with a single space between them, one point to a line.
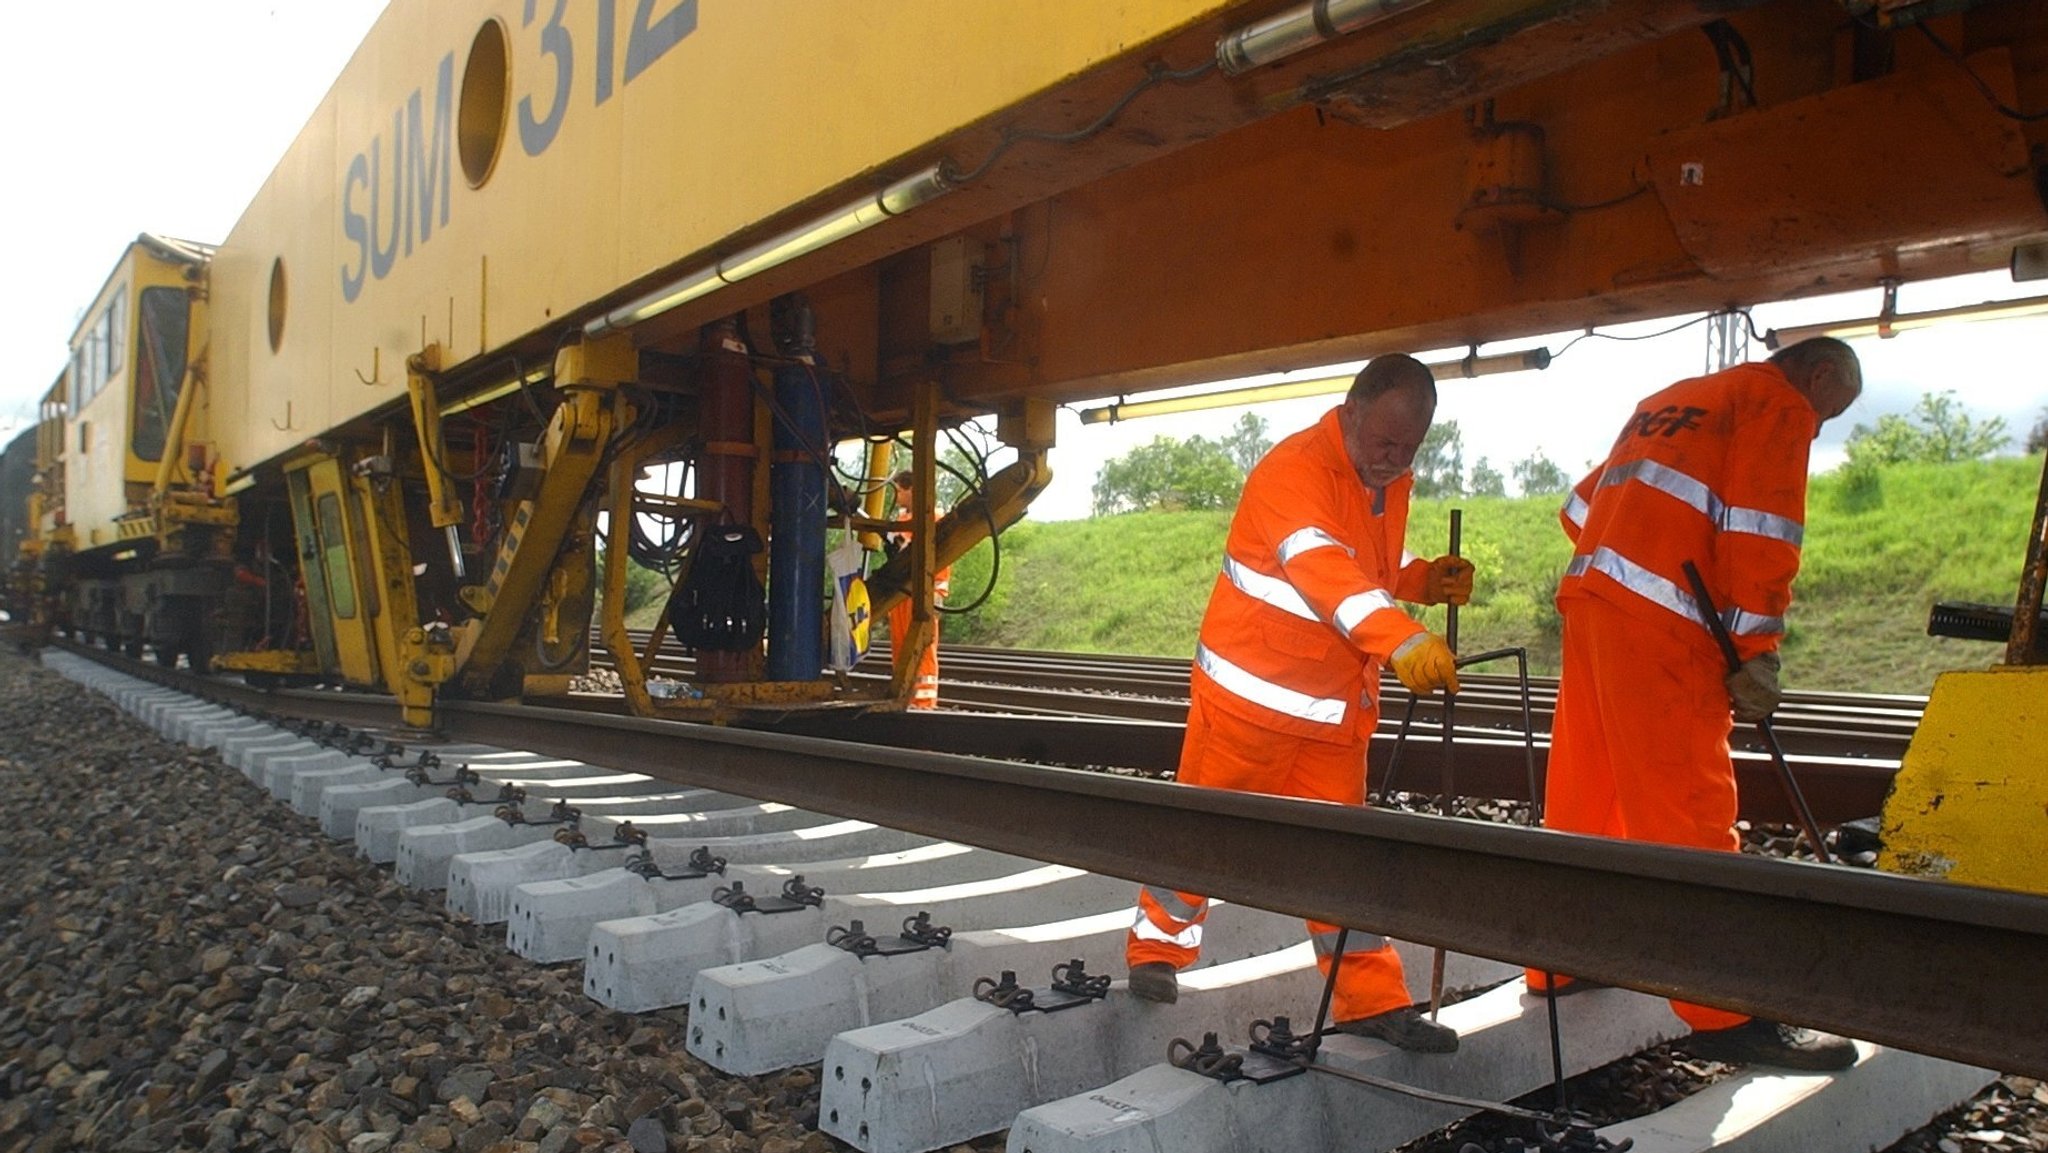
1753 692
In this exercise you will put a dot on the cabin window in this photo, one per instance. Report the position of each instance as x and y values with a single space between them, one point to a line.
159 368
98 354
114 330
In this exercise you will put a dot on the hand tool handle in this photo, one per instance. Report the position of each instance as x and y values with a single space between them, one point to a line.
1714 623
1451 611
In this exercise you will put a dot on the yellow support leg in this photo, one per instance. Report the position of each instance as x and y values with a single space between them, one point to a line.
1970 802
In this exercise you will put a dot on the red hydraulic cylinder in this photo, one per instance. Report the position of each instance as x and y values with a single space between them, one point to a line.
726 416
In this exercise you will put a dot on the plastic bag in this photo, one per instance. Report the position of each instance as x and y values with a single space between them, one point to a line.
847 625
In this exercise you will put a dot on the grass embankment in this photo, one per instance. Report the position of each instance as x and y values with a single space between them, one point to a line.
1880 549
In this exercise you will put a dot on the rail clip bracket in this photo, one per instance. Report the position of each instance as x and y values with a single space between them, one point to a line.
701 864
1071 987
918 935
795 895
1217 1063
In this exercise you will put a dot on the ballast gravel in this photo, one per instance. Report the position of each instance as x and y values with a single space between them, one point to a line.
187 965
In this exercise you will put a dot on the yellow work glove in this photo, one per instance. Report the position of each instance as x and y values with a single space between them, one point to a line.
1425 664
1448 581
1753 692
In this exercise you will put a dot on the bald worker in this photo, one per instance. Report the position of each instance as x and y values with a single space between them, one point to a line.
1712 471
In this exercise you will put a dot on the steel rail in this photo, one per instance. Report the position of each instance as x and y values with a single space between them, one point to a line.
1937 968
1840 788
1814 727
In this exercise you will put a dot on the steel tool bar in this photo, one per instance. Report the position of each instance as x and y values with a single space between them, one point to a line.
1447 797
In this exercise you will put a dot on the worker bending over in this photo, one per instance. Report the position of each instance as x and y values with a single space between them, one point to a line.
1285 693
1713 471
925 694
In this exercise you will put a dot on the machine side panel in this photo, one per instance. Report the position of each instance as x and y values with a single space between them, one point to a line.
620 158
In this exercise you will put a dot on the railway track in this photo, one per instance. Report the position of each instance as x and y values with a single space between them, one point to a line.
1155 688
1843 748
909 1062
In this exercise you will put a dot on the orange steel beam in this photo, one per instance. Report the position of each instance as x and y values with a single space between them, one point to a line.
1305 240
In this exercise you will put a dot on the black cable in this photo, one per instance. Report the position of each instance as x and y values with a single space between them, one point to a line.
1631 194
1991 97
526 393
980 491
1155 74
1645 336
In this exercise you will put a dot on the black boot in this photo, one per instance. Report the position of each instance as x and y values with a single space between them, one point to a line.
1154 981
1404 1028
1761 1042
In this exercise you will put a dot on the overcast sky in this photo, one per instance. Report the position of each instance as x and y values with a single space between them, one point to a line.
131 116
165 116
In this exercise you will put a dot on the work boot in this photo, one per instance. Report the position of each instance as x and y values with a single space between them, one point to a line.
1154 981
1404 1028
1761 1042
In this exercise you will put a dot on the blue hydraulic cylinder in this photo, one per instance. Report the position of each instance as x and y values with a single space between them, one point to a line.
796 547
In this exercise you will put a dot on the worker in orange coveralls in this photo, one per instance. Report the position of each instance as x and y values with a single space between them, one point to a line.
1285 692
925 694
1713 471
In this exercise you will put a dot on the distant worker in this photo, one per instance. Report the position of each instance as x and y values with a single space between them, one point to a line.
1711 470
925 695
1285 693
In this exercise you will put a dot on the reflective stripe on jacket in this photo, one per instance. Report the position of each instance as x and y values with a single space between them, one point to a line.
1711 470
1304 614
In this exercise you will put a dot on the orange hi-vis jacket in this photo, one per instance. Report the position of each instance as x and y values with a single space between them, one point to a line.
1711 470
1303 614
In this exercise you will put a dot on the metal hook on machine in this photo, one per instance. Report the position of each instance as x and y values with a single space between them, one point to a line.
376 377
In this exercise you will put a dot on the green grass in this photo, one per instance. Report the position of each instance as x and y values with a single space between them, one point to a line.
1878 554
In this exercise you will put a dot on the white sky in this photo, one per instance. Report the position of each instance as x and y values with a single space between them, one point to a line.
165 116
131 116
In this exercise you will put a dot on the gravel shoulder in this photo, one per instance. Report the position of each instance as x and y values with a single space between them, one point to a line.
187 965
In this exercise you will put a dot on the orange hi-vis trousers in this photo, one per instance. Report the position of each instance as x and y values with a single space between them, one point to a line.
1223 752
1639 743
925 695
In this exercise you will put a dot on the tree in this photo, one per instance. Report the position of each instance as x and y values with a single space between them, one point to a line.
1940 431
1440 463
1167 473
1247 441
2037 437
1538 475
1487 480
